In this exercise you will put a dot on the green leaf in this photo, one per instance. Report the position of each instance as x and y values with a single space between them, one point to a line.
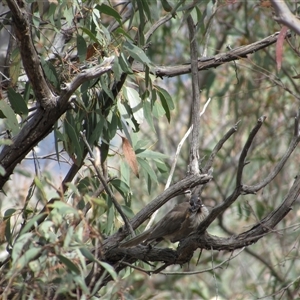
81 48
6 142
97 132
158 110
2 171
146 153
64 208
72 145
166 101
17 102
121 186
8 213
11 120
87 254
135 103
109 269
110 12
146 167
34 221
161 166
28 256
19 244
50 72
137 53
146 9
148 114
89 33
69 264
15 66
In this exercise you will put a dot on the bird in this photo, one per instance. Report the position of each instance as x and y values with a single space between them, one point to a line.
177 224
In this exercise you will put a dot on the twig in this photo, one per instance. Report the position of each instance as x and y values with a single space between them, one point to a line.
205 63
294 142
246 147
106 186
136 268
281 290
214 274
218 146
205 270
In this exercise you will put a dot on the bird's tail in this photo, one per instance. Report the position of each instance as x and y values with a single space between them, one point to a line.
136 240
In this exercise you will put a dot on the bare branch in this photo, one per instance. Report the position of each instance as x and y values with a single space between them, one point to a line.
145 213
243 155
205 63
284 16
295 141
195 142
217 148
30 59
86 75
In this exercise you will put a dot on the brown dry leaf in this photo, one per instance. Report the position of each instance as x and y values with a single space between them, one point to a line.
130 157
2 230
279 46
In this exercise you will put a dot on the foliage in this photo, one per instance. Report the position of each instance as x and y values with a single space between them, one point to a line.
103 79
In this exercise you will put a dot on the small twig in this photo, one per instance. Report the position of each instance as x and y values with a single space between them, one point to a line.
246 147
295 141
205 270
281 290
218 146
136 268
106 186
214 274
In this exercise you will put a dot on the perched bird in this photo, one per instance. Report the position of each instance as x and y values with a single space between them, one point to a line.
177 224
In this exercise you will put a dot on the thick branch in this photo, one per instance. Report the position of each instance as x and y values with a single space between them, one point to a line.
207 241
285 16
42 122
205 63
30 59
144 214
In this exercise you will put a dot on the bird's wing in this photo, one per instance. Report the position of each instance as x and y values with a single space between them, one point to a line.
170 223
136 240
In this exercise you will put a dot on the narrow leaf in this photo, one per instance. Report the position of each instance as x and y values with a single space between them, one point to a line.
279 46
69 264
81 47
110 12
11 119
17 102
137 53
130 156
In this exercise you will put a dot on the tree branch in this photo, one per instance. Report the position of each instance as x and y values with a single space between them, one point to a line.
205 63
246 147
195 142
145 213
295 141
106 186
30 59
284 16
